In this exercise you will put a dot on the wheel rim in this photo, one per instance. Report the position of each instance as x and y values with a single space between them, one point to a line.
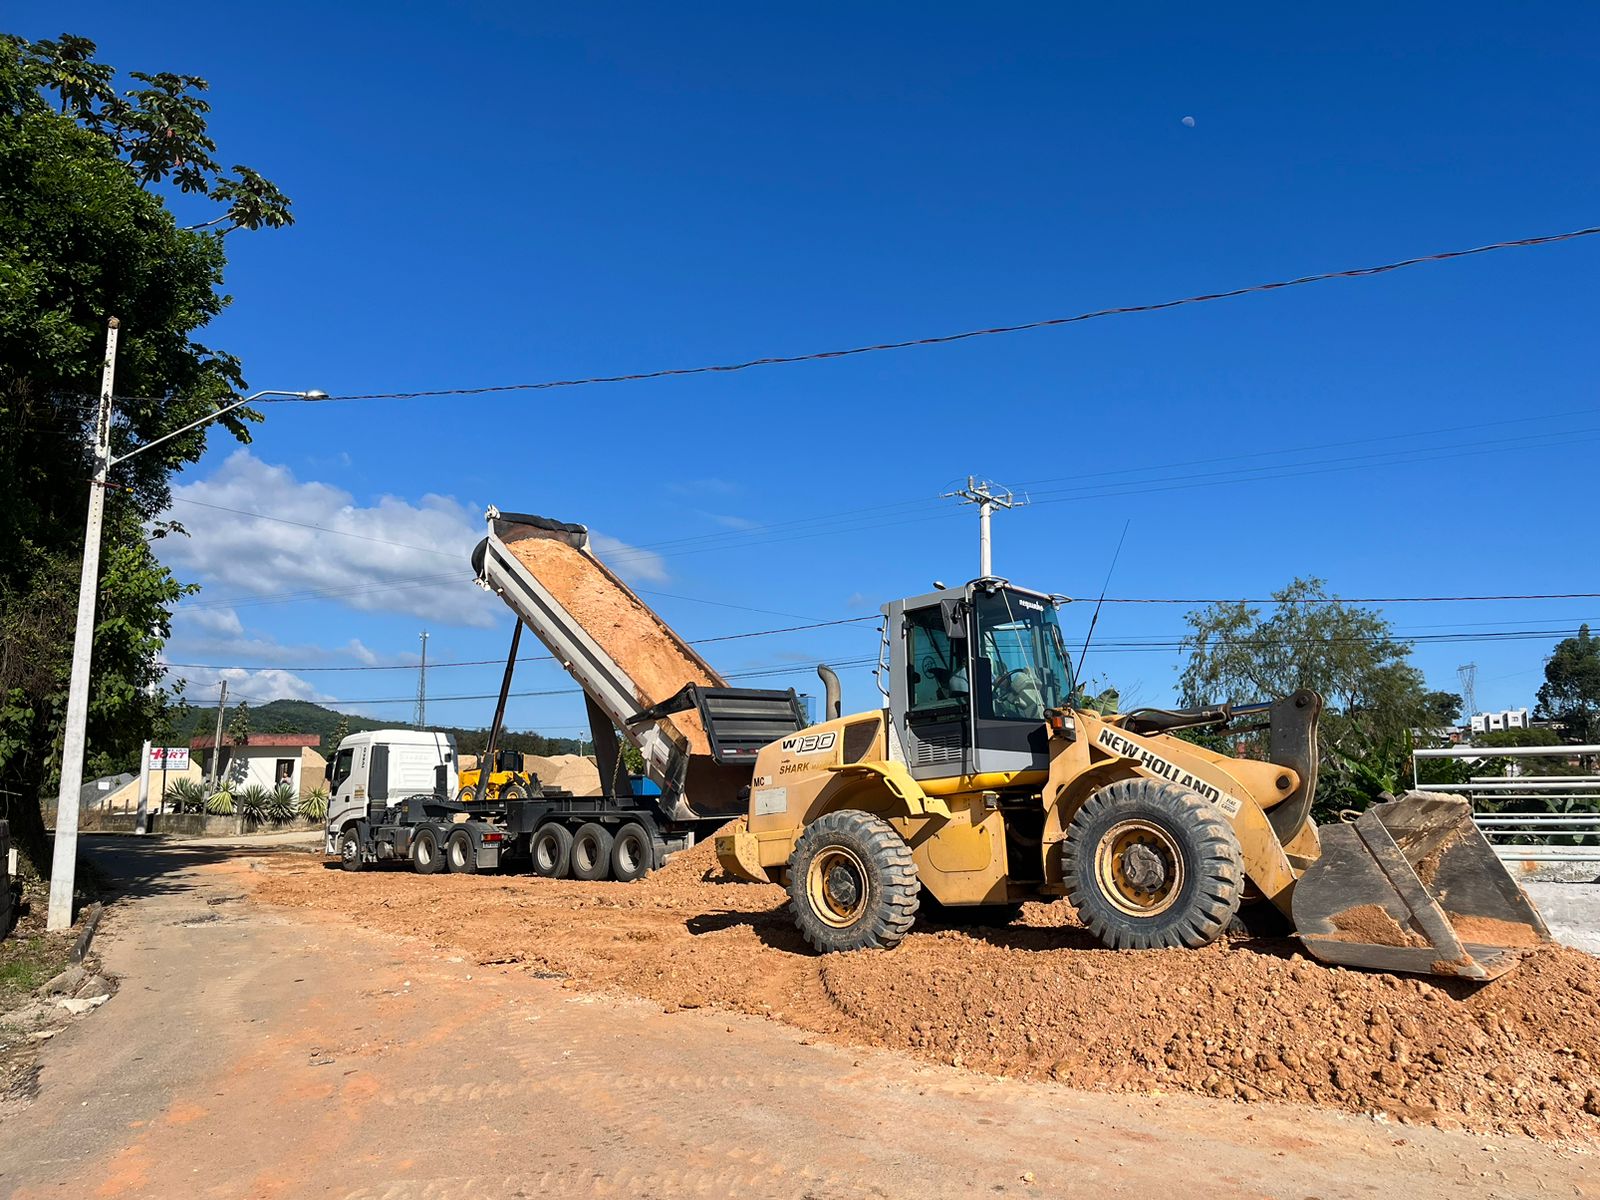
347 849
544 853
1139 867
836 885
458 855
628 853
583 855
424 851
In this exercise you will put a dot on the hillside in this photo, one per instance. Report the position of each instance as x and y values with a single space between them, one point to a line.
302 716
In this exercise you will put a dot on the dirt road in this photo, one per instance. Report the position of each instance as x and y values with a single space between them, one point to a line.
263 1052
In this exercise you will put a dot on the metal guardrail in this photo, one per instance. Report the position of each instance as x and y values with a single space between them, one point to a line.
1525 836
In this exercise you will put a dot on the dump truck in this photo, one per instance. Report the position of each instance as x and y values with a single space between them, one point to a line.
985 781
698 737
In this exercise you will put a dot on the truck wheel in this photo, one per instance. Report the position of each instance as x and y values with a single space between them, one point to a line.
425 856
852 883
1150 864
513 791
591 852
550 847
350 850
632 853
459 856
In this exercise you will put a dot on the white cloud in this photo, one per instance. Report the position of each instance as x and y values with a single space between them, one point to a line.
630 562
359 651
390 556
730 521
255 686
223 622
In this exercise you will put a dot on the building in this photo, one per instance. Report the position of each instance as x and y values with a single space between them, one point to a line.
268 759
1510 718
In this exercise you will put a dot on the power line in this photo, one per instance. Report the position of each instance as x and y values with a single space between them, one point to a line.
944 339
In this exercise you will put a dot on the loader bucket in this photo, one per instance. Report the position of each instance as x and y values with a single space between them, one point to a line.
1414 886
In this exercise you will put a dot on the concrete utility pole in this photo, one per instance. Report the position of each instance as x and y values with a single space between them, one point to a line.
216 742
144 787
987 497
64 861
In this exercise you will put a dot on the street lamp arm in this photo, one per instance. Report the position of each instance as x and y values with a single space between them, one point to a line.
165 437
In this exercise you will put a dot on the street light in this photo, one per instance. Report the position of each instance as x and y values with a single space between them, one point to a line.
64 862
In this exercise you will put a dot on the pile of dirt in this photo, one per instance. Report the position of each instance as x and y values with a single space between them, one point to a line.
623 625
1248 1020
569 772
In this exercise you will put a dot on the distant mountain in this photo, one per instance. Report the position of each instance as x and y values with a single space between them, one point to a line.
302 716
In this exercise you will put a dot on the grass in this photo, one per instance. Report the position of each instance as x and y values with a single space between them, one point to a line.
27 964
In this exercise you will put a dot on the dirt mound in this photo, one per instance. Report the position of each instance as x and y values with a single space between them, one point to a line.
569 772
698 863
1248 1020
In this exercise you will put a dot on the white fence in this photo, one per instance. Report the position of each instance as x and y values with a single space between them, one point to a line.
1525 836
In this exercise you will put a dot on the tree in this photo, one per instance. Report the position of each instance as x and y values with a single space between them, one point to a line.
86 172
1374 696
239 724
1441 710
1570 693
340 732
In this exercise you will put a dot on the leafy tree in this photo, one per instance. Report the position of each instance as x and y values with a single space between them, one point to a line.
1441 710
239 724
86 233
340 732
1570 693
1311 639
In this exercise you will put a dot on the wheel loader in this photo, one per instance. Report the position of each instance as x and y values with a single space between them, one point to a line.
986 781
508 780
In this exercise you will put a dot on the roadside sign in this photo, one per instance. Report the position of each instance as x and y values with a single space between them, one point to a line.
169 758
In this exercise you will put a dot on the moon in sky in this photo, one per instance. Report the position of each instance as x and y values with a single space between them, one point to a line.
1189 121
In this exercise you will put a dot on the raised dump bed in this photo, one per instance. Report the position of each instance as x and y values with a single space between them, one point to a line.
637 672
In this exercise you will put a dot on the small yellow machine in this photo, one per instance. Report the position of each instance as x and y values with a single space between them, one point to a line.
983 782
507 781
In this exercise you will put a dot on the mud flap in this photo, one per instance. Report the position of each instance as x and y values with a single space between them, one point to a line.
1414 886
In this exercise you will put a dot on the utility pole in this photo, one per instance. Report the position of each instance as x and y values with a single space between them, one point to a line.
988 497
216 743
144 787
64 861
422 684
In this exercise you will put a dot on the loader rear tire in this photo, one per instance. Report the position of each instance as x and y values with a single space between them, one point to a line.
1150 864
852 883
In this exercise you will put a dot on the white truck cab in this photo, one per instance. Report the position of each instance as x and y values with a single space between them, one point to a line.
384 764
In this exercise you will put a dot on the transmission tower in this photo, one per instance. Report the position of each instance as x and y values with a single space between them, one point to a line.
422 684
1467 673
988 497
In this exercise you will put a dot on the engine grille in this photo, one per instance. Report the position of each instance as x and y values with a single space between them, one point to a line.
939 748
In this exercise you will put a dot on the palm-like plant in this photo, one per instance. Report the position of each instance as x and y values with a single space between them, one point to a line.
314 805
252 801
187 795
282 803
220 804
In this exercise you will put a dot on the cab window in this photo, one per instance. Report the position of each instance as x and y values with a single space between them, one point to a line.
341 767
936 672
1022 659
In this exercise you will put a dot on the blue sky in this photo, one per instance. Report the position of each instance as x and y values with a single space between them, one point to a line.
492 194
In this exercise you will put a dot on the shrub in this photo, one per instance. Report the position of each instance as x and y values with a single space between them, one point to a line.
281 804
187 795
314 805
253 801
220 804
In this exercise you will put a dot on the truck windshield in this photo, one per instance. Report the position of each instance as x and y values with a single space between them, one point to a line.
1028 671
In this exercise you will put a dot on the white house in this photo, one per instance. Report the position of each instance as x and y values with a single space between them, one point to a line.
1511 718
268 759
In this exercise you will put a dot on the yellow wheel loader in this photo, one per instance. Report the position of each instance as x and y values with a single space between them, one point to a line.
507 781
985 782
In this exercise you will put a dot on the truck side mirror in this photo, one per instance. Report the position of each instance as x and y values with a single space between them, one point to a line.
953 614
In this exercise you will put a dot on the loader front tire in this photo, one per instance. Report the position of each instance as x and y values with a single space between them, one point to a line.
852 883
1150 865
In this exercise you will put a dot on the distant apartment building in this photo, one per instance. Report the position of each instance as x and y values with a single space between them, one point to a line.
1510 718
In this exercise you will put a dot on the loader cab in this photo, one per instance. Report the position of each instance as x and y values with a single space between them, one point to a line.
973 671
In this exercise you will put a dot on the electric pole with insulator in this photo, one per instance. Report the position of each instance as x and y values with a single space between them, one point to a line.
988 497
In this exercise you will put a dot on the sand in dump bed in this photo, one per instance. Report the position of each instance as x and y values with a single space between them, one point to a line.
1246 1020
620 623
